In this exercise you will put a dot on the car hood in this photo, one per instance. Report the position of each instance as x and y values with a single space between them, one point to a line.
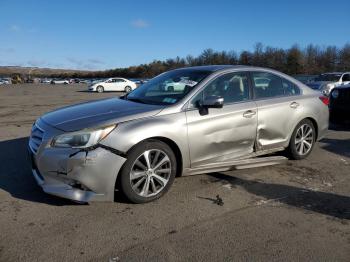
98 113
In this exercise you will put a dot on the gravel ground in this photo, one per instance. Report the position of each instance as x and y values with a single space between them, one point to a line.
298 211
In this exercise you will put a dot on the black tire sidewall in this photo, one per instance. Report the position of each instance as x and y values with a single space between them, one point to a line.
131 157
292 148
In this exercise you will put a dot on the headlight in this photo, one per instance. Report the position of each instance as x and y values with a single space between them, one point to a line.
82 139
335 93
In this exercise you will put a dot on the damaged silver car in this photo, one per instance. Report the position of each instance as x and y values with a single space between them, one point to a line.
183 122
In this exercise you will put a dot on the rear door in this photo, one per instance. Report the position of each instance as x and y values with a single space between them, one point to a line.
279 103
222 134
118 84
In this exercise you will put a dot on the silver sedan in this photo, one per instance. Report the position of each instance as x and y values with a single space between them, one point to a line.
218 118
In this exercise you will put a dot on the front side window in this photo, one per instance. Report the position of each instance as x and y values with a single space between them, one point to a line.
269 85
168 88
233 87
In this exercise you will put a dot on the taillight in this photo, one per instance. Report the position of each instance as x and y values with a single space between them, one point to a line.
325 100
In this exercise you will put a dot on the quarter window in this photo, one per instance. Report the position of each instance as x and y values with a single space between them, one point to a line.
346 77
269 85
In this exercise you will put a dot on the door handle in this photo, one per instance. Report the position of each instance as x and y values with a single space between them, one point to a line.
249 113
294 105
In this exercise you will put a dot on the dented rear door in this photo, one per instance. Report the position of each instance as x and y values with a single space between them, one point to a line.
277 118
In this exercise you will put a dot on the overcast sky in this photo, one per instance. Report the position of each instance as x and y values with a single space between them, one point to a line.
108 34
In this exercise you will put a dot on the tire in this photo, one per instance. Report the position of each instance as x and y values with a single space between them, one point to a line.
302 140
135 187
99 89
128 89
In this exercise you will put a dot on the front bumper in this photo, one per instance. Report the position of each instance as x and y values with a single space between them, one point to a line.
82 176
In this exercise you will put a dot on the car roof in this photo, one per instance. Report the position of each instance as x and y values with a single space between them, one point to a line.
212 68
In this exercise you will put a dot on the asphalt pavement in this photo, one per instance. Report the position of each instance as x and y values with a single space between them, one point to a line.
297 211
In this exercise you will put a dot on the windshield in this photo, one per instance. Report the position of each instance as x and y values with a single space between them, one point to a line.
168 88
328 77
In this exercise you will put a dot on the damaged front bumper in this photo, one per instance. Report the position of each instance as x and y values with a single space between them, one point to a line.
80 175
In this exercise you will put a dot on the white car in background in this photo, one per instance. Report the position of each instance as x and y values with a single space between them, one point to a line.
4 82
113 84
60 81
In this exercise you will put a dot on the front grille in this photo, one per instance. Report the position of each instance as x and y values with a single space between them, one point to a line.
36 138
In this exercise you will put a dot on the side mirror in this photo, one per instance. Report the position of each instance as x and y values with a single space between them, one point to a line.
213 102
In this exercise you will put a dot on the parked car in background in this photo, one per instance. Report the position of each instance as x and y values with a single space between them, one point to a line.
113 84
326 82
84 81
177 84
222 120
60 81
339 104
138 81
74 81
305 79
4 81
45 81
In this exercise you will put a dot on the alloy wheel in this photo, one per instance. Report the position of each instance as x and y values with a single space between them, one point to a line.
150 173
304 139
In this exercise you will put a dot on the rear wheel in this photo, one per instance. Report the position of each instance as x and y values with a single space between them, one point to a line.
148 172
99 89
302 140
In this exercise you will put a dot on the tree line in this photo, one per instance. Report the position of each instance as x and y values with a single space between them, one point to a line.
312 59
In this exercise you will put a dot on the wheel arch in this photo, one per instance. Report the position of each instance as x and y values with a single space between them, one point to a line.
171 144
313 121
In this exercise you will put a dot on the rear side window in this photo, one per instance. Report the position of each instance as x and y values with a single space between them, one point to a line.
289 88
269 85
346 77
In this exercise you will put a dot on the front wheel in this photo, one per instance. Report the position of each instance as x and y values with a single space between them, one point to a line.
128 89
148 172
99 89
302 140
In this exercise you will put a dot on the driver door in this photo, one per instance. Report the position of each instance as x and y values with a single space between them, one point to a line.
227 133
109 84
